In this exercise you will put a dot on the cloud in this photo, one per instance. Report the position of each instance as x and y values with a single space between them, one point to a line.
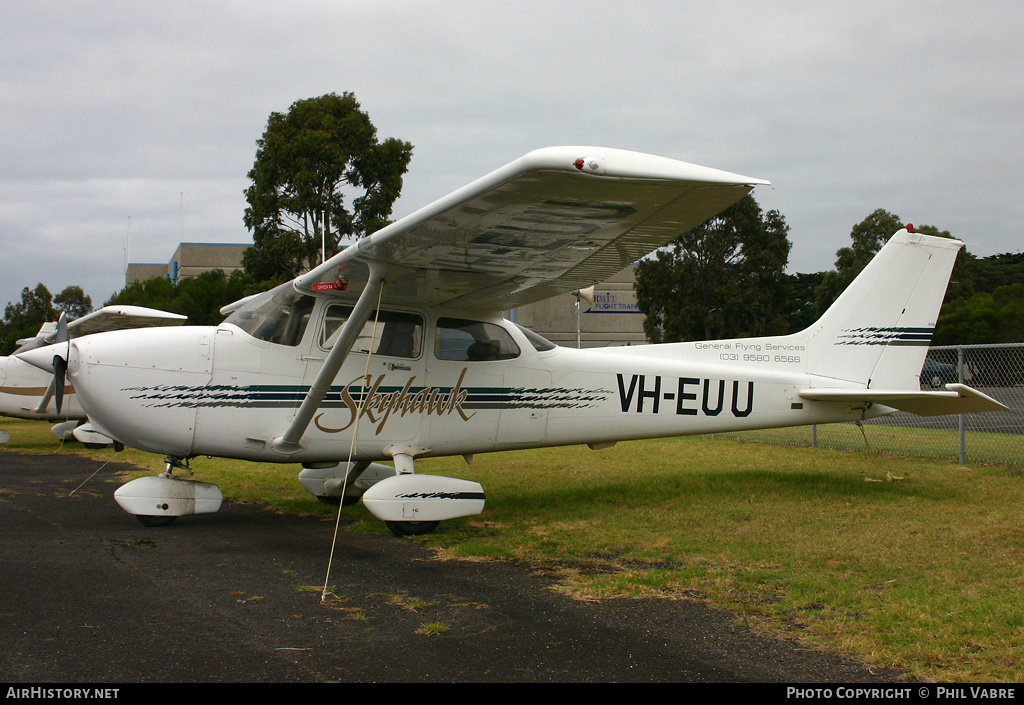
149 113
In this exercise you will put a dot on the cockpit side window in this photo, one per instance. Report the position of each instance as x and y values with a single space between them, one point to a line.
466 340
278 316
398 334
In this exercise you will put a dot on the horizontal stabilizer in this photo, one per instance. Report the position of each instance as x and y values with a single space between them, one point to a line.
955 399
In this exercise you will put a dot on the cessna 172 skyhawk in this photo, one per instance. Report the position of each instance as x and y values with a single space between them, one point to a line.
395 349
26 392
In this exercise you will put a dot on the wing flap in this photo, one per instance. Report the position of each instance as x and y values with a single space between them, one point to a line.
955 399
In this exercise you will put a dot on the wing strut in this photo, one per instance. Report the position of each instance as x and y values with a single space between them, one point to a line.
288 442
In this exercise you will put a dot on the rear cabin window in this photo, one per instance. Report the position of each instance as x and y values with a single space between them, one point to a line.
539 342
466 340
398 334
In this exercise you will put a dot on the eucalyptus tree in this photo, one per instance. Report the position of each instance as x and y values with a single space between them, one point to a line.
724 278
320 174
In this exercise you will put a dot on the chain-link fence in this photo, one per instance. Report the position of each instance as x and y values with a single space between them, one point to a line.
992 436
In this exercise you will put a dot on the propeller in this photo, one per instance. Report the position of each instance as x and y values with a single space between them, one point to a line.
60 364
60 369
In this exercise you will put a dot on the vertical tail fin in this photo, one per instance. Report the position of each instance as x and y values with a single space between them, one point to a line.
878 331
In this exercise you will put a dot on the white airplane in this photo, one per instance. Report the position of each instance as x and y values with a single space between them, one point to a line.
26 392
396 348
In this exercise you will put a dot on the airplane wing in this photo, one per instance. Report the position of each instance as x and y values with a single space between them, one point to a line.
122 317
956 399
556 220
102 320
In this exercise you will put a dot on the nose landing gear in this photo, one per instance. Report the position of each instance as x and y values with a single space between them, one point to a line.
159 500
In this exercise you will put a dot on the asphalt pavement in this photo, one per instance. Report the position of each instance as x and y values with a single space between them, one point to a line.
91 596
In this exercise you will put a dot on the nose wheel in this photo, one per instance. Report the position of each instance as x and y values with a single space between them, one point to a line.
152 521
159 500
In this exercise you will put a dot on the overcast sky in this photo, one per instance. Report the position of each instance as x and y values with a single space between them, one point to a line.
138 120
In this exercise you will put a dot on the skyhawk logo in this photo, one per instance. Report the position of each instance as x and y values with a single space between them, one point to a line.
378 407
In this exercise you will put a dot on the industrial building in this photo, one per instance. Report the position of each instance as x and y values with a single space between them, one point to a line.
189 260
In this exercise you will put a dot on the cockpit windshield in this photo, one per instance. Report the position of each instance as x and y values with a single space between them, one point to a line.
277 316
539 342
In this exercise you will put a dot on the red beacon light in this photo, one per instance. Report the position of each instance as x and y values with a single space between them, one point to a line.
910 227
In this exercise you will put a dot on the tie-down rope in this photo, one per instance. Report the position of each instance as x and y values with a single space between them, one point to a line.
352 445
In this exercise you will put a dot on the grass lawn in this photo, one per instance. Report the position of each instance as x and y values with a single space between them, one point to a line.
911 563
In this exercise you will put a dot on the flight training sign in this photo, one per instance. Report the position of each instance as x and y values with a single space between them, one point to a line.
612 302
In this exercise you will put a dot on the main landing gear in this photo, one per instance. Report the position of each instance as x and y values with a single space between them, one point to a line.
411 505
407 503
411 528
